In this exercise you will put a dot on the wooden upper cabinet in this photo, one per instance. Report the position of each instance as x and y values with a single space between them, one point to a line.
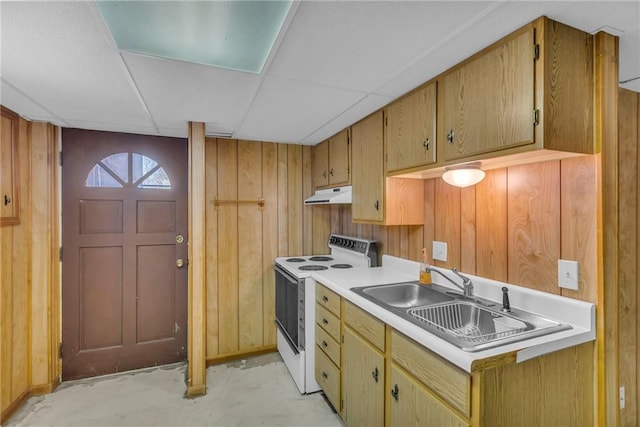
9 174
410 130
339 158
376 199
488 103
531 90
368 170
331 161
321 164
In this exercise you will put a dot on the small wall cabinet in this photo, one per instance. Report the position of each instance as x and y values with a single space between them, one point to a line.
9 173
376 199
331 161
410 130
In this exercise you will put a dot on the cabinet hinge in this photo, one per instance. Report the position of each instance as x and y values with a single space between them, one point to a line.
386 121
536 52
341 404
60 158
386 157
536 117
342 339
60 352
60 254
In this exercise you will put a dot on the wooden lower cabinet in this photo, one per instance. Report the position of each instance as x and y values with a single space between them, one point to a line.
363 382
413 405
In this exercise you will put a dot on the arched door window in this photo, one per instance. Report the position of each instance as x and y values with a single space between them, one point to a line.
128 169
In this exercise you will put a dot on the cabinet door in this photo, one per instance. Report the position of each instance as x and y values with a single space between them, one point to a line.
363 382
320 164
9 191
488 103
339 158
410 130
412 405
367 175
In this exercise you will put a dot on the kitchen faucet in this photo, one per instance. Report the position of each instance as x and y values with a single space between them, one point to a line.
467 285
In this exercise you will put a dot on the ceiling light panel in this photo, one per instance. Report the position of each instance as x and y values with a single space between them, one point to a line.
231 34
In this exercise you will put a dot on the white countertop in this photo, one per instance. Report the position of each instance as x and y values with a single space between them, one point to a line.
580 315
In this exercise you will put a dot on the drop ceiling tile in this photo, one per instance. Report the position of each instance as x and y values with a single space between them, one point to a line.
182 91
27 108
74 81
360 45
630 59
288 110
362 109
71 20
114 127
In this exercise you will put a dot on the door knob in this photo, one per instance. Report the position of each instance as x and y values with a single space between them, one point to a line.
180 263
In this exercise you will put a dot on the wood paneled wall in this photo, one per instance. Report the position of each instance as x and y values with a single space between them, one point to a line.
629 254
243 239
29 271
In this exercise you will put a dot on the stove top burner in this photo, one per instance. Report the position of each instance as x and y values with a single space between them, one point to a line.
342 266
312 267
320 258
295 260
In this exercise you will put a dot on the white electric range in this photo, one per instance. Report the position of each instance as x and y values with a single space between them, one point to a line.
295 301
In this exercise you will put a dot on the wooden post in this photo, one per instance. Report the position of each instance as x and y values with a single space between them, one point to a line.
606 138
196 351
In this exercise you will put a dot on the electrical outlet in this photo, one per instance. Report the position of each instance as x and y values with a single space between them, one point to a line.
623 402
439 251
568 274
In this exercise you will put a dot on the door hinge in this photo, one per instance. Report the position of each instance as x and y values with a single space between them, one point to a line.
60 254
60 352
60 158
386 121
536 52
536 117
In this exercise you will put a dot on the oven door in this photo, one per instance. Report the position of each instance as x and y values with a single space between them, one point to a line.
287 306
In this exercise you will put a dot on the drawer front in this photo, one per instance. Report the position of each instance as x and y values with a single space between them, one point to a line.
328 345
444 379
365 324
328 376
329 299
328 321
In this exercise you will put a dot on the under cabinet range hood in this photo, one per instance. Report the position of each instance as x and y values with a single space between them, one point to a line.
328 196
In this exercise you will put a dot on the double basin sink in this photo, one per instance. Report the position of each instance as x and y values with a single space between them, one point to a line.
470 323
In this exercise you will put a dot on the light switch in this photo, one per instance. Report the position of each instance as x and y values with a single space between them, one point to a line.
439 251
568 274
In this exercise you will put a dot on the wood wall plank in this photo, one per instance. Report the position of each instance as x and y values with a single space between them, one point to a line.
578 222
283 201
468 229
269 239
250 303
416 242
228 246
429 228
491 230
295 199
307 211
211 178
6 316
628 137
447 221
321 228
534 225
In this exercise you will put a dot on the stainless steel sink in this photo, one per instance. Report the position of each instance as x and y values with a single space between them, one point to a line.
406 294
471 325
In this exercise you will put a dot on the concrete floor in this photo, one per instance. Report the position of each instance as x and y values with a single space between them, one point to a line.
257 391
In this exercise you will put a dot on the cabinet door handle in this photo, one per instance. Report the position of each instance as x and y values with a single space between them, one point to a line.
325 321
331 172
377 205
324 375
450 136
324 174
394 392
425 144
324 343
374 374
324 298
7 200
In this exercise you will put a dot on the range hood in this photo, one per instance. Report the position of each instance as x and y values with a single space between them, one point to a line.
328 196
